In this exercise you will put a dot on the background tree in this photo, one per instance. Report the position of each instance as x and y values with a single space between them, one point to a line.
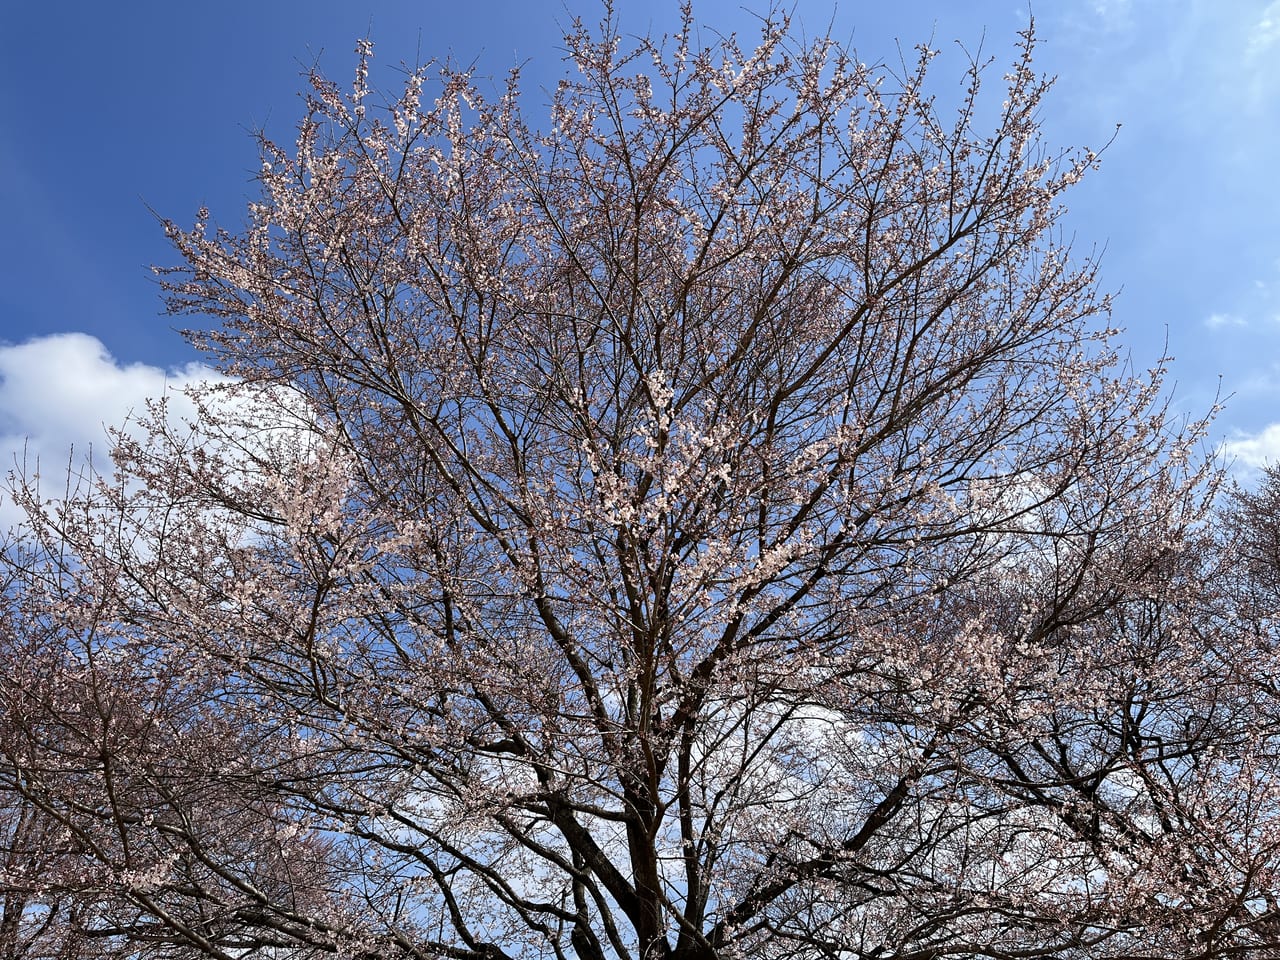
1251 531
714 524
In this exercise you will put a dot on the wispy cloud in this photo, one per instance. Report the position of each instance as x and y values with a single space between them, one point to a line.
1105 8
1254 306
1113 14
1266 31
1216 321
1259 67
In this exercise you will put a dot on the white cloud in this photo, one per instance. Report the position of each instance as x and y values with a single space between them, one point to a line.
1249 453
59 393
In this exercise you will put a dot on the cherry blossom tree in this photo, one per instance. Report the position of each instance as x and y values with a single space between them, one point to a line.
711 520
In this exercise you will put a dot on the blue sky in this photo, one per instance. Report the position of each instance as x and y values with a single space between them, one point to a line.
109 111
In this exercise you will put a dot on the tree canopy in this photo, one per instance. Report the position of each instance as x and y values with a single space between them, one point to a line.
709 520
